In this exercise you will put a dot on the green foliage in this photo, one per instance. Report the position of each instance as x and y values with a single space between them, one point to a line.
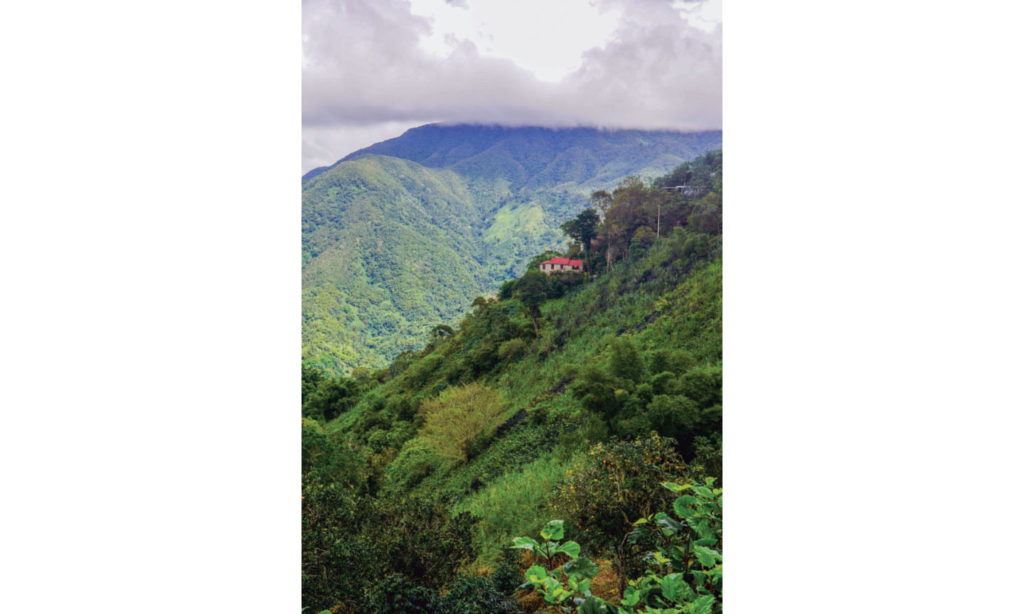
615 483
396 593
507 577
684 574
325 397
583 229
679 404
469 595
478 595
625 362
532 291
388 252
511 348
561 572
352 536
704 171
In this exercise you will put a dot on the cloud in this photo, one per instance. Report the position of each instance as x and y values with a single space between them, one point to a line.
364 70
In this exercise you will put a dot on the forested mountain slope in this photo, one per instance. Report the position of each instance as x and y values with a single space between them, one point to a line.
575 159
400 236
562 398
389 249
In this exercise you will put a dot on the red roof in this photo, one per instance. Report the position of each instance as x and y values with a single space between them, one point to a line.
561 260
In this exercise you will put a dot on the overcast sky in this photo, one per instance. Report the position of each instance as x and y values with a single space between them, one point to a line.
374 68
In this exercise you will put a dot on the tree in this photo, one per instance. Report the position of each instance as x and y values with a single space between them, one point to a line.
443 331
532 291
583 228
328 398
601 200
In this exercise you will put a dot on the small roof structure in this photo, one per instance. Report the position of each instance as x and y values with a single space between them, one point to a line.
564 261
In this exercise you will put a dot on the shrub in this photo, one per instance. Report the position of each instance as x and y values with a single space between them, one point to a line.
476 595
674 361
458 417
507 576
625 362
396 593
418 538
511 348
416 461
703 385
617 483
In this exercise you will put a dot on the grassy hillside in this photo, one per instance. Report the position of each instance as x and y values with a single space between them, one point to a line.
400 237
562 398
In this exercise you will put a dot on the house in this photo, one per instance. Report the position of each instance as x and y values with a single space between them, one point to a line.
561 265
685 190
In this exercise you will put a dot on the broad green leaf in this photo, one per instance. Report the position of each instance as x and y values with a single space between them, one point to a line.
630 597
675 487
701 526
592 605
706 556
584 587
640 522
553 530
681 506
569 548
582 567
526 543
703 605
674 588
703 491
536 574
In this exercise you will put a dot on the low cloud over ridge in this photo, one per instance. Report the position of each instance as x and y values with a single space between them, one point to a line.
366 77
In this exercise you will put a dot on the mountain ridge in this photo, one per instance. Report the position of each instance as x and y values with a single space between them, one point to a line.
447 213
440 145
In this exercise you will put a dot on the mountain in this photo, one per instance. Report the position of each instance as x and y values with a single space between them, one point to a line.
400 236
560 398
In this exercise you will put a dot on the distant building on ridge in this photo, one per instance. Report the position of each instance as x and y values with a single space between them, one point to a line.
561 265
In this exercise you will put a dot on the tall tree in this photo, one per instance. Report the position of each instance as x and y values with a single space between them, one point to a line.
583 228
532 291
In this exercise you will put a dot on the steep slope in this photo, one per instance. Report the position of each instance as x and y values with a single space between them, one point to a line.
562 398
389 249
400 236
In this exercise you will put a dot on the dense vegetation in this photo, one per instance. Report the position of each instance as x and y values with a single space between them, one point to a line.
573 406
402 235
